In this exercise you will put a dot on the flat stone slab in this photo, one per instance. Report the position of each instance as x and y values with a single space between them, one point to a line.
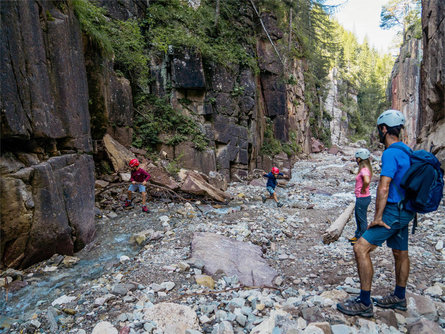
219 253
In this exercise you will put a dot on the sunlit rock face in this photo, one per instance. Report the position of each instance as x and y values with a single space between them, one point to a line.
431 131
405 83
47 177
338 124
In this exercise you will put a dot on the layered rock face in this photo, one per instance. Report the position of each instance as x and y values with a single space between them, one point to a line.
431 131
405 83
47 177
230 104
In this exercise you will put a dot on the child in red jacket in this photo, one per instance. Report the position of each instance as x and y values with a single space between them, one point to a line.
139 178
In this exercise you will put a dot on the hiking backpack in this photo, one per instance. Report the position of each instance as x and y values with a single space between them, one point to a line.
423 183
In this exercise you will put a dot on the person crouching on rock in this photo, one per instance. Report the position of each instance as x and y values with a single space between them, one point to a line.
138 179
271 184
362 195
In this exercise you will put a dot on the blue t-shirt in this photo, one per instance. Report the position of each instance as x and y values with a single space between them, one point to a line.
271 179
395 163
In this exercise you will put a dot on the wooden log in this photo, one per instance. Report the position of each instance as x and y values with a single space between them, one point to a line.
335 230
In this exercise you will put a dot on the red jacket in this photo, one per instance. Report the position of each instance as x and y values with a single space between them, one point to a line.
139 175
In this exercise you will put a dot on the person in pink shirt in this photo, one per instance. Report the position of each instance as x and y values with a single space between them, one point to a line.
362 195
138 179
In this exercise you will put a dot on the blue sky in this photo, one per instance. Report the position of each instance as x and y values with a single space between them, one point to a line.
362 17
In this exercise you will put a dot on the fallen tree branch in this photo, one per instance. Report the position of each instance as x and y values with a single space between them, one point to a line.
335 230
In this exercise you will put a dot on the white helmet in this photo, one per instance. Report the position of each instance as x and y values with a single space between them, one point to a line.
391 118
362 153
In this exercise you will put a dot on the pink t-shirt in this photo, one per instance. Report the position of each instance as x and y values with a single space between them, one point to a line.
359 183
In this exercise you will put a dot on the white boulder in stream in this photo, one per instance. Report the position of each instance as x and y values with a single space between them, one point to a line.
232 257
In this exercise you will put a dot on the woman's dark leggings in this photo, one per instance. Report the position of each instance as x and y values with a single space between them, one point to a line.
361 208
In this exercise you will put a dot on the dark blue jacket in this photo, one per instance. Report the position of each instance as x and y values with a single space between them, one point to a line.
271 179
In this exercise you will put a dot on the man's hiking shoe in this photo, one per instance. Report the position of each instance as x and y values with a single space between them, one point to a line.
352 239
391 301
264 198
355 307
127 203
145 209
353 242
279 204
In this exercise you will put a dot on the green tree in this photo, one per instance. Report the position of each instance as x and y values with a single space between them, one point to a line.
401 14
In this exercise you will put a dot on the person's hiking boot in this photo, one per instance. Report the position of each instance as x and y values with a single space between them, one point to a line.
127 203
279 204
353 242
391 301
145 209
352 239
264 198
355 307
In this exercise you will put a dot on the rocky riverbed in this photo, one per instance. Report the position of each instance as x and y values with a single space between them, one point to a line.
245 267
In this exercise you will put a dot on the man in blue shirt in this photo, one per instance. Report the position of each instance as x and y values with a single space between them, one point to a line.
390 222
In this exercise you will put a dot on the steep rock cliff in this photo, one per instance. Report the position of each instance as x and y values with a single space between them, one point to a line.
231 105
405 83
431 131
47 179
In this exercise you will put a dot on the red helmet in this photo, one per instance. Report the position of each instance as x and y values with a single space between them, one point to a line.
134 163
275 170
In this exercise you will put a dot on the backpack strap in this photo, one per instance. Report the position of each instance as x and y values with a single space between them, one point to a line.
402 202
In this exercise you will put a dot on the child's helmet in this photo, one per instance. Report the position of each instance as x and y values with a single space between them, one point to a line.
362 153
134 163
275 170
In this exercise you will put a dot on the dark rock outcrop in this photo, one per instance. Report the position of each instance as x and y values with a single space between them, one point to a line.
47 180
431 130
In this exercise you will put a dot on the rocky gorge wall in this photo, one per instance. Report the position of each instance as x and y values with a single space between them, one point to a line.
47 172
61 95
231 104
431 128
405 84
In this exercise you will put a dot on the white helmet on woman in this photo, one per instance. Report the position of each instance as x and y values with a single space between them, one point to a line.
362 153
391 118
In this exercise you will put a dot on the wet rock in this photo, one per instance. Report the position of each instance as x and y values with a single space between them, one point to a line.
233 258
172 318
69 261
104 327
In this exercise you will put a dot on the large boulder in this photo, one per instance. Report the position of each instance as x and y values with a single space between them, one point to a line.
161 177
118 154
222 254
47 208
195 183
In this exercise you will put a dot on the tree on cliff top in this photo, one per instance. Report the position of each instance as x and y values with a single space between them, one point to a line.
401 14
